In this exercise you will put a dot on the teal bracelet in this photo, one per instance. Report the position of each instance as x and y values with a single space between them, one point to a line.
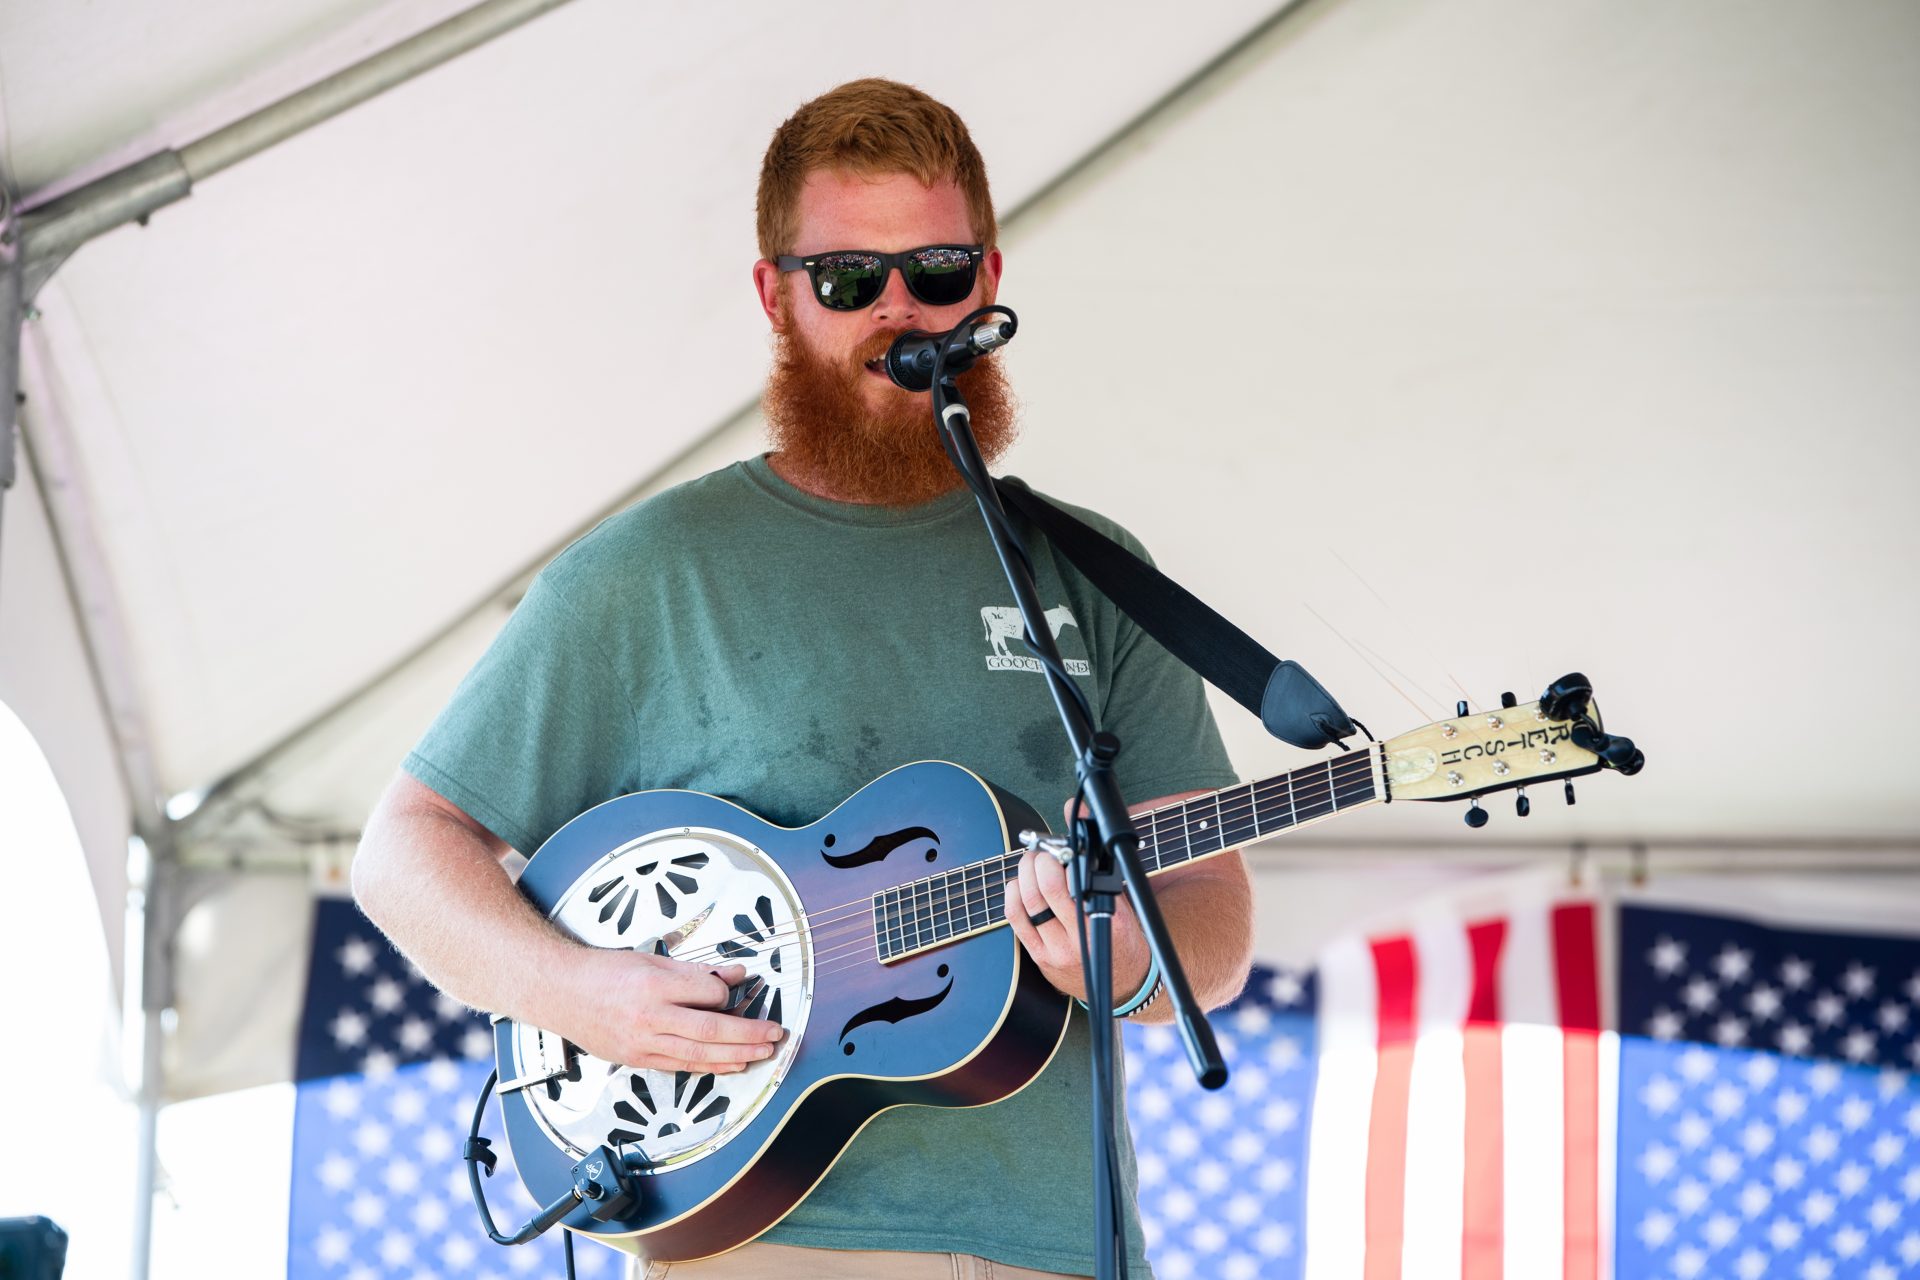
1148 986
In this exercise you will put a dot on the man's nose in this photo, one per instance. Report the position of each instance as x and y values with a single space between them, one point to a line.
896 304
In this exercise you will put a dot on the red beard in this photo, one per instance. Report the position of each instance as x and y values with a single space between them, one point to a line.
829 440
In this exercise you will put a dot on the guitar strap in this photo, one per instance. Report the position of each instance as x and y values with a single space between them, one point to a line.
1290 703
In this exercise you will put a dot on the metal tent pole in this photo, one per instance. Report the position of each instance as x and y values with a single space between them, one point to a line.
150 940
54 230
13 308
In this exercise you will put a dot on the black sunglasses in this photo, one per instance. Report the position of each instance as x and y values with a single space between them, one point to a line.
849 279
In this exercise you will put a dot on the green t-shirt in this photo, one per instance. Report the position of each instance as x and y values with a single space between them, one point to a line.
740 637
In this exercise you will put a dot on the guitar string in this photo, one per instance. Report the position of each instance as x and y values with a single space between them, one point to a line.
1407 697
856 947
822 923
859 941
1240 808
978 895
1228 815
1400 621
864 945
846 956
981 909
975 889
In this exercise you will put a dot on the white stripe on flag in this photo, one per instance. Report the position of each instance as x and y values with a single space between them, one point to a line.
1342 1104
1608 940
1533 1100
1437 1104
1609 1136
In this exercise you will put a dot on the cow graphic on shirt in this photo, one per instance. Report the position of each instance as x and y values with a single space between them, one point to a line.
1002 623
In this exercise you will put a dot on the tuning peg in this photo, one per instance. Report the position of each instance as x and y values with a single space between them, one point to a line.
1522 805
1615 751
1622 755
1569 790
1476 816
1508 700
1567 697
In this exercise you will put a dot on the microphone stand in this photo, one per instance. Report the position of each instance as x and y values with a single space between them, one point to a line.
1105 851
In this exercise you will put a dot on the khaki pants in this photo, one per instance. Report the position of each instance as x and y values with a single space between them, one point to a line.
790 1262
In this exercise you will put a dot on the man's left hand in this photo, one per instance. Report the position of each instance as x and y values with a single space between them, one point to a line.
1055 944
1208 906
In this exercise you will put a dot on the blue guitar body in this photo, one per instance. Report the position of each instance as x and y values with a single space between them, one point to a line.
718 1159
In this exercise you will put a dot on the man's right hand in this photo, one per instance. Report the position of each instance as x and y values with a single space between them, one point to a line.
429 875
667 1015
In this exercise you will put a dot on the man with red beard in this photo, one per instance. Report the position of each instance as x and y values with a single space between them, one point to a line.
779 633
839 426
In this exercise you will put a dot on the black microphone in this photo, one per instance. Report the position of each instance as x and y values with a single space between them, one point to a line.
910 358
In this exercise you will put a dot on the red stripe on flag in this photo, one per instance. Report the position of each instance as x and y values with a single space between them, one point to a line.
1577 985
1397 972
1481 1222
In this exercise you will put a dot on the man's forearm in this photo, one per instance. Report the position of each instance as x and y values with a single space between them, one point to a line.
1210 919
430 876
438 891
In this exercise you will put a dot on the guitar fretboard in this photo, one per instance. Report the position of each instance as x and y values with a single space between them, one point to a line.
971 899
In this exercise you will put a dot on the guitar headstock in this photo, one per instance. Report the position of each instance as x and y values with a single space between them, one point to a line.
1557 736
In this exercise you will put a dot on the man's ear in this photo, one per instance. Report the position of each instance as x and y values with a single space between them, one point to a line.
990 267
767 280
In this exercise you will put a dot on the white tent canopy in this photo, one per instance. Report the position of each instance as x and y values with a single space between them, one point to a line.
1506 339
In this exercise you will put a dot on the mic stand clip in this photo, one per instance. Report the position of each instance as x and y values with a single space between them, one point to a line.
602 1180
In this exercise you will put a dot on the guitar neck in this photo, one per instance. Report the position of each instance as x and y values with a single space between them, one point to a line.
1190 830
967 900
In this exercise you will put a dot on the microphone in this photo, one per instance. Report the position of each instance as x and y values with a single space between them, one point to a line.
910 358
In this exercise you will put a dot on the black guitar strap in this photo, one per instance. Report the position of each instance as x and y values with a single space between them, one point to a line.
1290 703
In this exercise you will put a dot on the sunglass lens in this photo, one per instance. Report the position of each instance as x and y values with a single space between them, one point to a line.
848 281
941 277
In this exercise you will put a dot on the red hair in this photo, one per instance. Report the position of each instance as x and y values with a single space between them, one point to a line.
874 128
